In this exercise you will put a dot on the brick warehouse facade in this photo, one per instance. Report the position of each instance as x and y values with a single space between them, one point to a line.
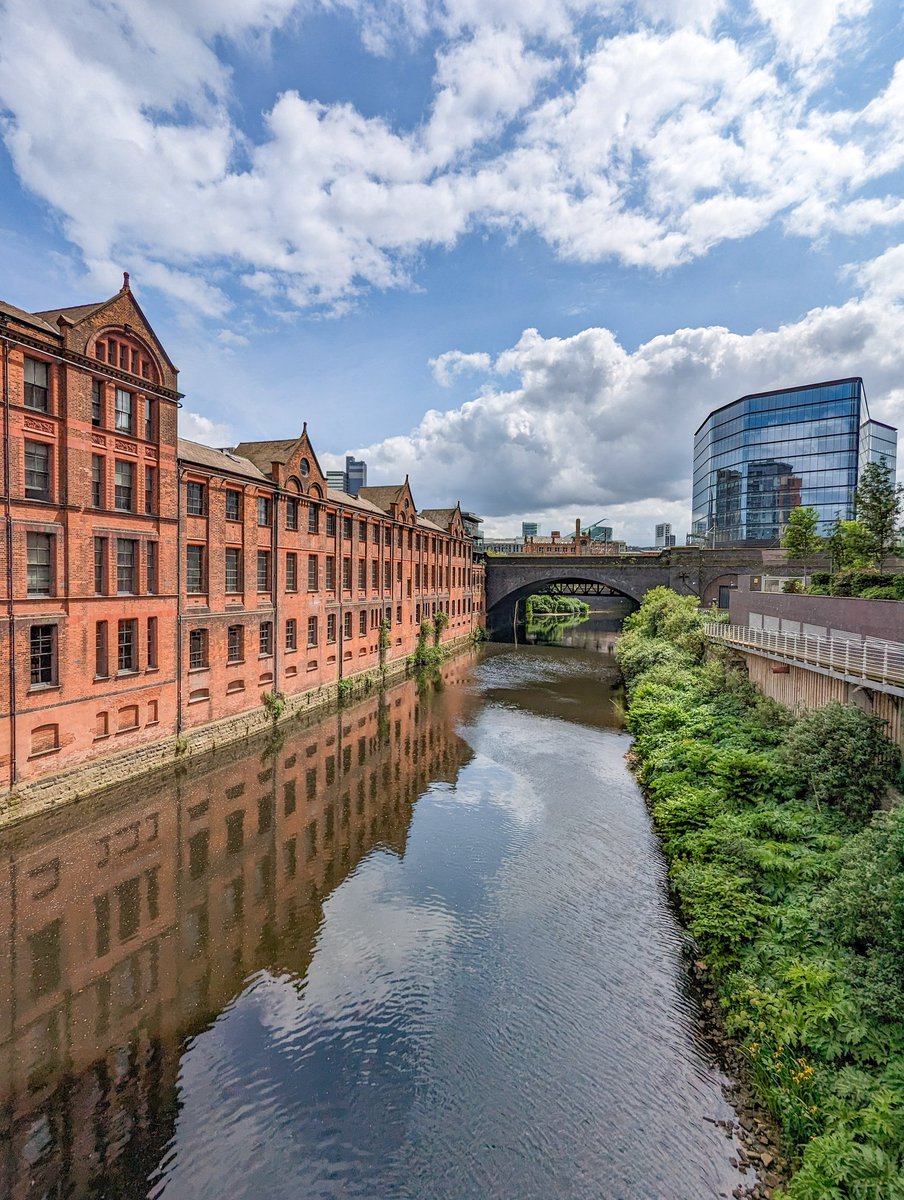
152 585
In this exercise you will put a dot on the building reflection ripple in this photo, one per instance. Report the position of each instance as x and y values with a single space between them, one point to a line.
132 921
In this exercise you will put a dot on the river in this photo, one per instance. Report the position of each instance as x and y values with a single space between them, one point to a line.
421 948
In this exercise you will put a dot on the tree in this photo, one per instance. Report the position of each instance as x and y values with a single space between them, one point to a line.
880 507
848 545
800 538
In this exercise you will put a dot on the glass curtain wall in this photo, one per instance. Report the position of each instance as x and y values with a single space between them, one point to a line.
763 455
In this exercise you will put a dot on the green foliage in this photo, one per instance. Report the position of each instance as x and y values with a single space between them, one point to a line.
879 593
800 538
274 703
840 756
793 587
880 507
383 642
798 914
440 621
848 545
535 606
426 655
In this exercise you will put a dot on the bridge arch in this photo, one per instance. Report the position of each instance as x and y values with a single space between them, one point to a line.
501 610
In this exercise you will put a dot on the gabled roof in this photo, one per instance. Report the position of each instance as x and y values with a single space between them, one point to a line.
75 314
265 453
383 497
440 516
219 460
426 523
33 319
356 502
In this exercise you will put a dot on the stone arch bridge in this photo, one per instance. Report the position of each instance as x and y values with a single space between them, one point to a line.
686 569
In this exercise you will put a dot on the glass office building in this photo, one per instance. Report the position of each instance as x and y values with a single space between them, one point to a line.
763 455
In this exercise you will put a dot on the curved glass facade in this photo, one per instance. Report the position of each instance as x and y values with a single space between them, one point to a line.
763 455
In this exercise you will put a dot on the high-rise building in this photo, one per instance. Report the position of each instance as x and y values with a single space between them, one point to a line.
763 455
664 536
352 479
529 529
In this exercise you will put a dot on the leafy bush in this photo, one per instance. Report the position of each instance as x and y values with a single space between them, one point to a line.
840 755
820 578
879 593
793 587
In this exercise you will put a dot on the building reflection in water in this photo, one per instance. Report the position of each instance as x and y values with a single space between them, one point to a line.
130 922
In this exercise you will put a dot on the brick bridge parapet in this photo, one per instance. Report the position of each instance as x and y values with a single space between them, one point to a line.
688 570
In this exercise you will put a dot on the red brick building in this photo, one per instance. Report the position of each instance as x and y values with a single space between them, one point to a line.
152 585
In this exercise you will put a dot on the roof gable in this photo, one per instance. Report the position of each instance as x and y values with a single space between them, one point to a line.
291 462
393 498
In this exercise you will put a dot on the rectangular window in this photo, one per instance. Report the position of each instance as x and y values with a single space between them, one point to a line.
36 391
346 527
291 514
362 532
97 403
375 575
195 499
42 643
291 572
291 634
347 625
127 648
330 573
263 570
150 423
100 565
233 505
398 614
313 519
330 524
152 642
387 576
194 569
126 556
362 575
123 358
150 560
125 483
362 623
150 490
347 574
97 481
233 570
312 631
313 573
263 510
235 643
197 649
266 638
39 553
124 409
37 470
101 661
331 627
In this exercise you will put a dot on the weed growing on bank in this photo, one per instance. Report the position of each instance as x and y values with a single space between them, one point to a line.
791 879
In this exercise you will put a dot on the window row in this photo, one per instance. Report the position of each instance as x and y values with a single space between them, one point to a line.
116 650
40 554
132 414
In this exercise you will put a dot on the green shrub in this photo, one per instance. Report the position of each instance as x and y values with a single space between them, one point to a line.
879 593
793 587
840 756
821 578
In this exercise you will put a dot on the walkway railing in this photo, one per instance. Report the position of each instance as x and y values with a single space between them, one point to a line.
879 663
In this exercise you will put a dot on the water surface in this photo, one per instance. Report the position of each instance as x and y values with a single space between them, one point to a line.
421 949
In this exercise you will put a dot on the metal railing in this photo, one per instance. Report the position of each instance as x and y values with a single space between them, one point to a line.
875 661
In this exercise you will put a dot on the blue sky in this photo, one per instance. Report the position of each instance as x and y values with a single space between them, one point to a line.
515 248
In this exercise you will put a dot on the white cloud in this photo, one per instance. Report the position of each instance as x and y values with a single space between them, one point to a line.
591 430
447 367
198 428
649 147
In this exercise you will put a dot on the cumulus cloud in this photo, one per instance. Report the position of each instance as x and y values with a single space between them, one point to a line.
590 429
198 428
447 367
646 144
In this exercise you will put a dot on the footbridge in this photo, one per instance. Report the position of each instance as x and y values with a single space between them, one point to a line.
689 570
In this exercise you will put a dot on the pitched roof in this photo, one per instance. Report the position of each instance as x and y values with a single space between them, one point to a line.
77 313
219 460
383 497
27 318
440 516
426 523
262 454
347 501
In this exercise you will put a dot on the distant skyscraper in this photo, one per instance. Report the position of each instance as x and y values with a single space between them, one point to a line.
529 529
355 474
760 457
352 479
664 536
